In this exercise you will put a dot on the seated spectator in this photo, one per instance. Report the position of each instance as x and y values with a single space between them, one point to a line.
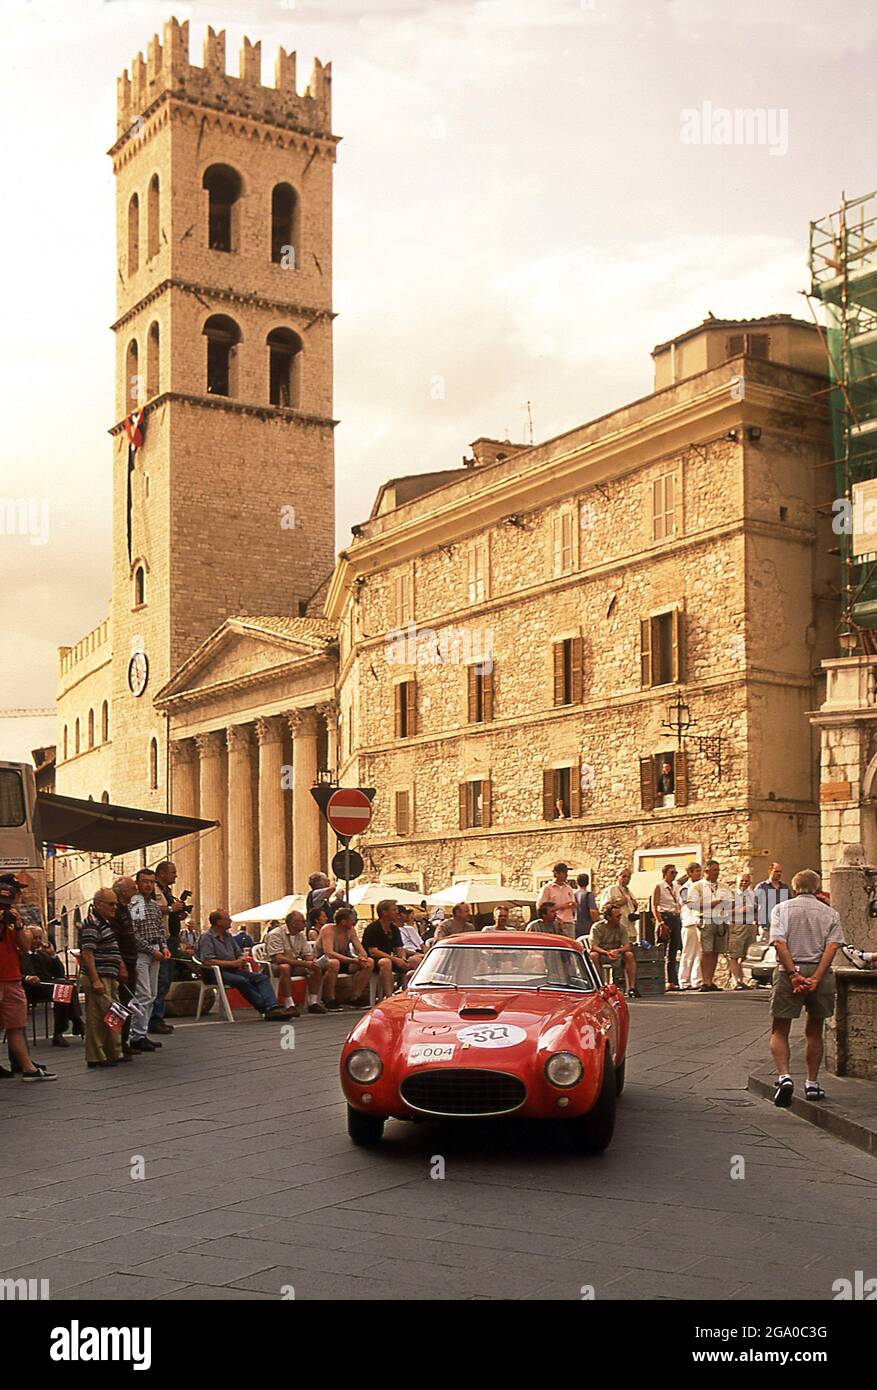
453 925
339 944
546 919
41 970
383 942
189 938
502 918
217 947
412 941
610 941
291 953
317 919
243 938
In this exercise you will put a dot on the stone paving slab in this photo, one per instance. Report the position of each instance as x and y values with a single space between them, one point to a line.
849 1112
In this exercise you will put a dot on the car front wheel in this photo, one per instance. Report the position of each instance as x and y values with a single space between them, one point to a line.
592 1133
365 1130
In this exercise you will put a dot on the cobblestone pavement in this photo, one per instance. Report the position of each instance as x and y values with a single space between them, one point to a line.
251 1185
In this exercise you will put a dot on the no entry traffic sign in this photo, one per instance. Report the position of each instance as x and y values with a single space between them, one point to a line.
349 811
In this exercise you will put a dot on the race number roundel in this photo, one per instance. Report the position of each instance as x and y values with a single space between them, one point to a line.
349 811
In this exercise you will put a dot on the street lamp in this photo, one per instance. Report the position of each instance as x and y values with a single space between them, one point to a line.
679 719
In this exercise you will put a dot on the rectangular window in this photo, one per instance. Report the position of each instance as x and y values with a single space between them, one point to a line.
475 805
562 792
12 811
753 344
664 507
479 695
568 657
661 656
477 572
663 780
403 813
406 708
563 542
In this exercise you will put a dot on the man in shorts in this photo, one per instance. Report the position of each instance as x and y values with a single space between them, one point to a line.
744 928
339 942
807 935
15 939
709 904
610 941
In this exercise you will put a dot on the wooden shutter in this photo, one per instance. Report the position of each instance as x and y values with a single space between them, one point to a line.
678 652
647 784
559 691
557 544
399 696
472 693
736 344
486 694
680 777
548 797
678 518
576 658
486 803
411 706
645 629
464 806
575 790
403 817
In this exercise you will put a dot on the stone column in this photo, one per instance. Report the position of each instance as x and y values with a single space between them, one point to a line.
272 838
212 863
330 714
241 820
184 802
305 812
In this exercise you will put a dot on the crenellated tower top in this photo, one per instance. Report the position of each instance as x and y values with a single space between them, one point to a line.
166 71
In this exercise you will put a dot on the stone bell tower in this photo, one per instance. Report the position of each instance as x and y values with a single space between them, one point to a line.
223 492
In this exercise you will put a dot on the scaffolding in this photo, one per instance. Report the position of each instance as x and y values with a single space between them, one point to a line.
843 280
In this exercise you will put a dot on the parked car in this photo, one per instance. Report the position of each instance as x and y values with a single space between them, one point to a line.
515 1024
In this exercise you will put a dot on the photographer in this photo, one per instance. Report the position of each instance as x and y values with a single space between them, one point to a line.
174 909
14 941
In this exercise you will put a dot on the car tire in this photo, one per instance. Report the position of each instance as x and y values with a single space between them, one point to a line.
619 1077
364 1130
592 1133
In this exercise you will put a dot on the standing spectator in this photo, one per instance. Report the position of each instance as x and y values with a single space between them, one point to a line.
102 968
382 940
710 904
619 894
148 922
15 939
690 975
667 911
243 938
218 947
587 912
320 890
807 935
125 889
561 893
41 970
610 939
289 949
339 942
744 927
768 893
173 910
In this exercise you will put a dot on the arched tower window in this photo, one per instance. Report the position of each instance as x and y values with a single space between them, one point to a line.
153 370
284 226
133 234
76 737
105 798
284 370
153 764
223 336
153 225
223 186
132 376
105 722
65 742
91 728
139 586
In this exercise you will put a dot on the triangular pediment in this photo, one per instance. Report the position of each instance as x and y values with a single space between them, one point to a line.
244 647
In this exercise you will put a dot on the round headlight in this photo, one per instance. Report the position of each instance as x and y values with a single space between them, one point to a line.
364 1066
563 1069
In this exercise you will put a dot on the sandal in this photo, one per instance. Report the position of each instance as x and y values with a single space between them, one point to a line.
813 1091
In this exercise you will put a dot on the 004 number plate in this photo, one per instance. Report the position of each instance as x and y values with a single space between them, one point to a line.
431 1052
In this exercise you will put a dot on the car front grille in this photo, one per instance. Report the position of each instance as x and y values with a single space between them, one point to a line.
463 1091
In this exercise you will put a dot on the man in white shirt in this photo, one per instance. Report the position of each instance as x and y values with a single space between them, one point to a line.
561 894
710 904
807 935
690 976
619 895
289 950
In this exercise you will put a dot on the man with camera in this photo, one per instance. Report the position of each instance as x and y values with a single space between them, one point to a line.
14 941
174 909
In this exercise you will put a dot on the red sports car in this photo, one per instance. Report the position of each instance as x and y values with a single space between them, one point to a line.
493 1023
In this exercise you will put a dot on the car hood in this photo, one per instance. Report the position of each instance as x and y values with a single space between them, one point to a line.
434 1015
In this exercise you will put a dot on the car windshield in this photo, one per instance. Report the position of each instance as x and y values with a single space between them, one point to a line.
503 967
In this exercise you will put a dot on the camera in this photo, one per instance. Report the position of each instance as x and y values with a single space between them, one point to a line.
9 891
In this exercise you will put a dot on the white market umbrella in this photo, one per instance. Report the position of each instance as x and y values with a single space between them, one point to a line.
475 894
276 911
370 894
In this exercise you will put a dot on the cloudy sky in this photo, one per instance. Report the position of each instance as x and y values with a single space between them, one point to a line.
517 214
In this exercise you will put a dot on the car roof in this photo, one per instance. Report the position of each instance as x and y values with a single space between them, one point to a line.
508 938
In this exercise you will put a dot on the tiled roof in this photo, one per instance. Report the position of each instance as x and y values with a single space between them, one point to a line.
314 632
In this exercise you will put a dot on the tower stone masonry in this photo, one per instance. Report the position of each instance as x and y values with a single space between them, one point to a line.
224 337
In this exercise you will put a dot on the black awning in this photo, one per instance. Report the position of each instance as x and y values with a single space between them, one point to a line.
105 829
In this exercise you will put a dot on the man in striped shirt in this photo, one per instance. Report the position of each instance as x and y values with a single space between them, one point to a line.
152 949
102 967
